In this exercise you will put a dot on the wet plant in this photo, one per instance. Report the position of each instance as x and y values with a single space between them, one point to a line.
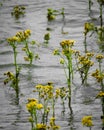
18 11
46 38
67 62
21 37
87 121
1 4
90 3
98 74
88 27
13 78
51 14
40 109
24 38
84 63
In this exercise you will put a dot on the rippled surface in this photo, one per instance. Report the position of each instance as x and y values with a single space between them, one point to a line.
13 117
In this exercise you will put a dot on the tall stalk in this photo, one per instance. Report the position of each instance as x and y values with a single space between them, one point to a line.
16 72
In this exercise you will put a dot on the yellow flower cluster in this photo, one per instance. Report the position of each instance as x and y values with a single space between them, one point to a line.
89 54
88 27
10 77
99 57
20 36
67 43
33 105
46 91
100 94
53 126
98 75
41 126
85 61
56 52
9 74
87 121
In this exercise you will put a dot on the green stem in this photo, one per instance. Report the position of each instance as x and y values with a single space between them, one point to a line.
101 21
69 79
85 43
16 72
100 70
53 107
28 52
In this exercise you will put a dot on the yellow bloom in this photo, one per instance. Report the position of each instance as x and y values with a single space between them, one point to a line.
87 121
26 58
31 105
66 43
100 56
41 126
39 106
62 61
56 52
100 94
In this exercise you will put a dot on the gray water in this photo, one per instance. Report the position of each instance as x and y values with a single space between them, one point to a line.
48 68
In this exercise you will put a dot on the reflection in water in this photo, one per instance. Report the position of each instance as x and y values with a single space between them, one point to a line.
71 121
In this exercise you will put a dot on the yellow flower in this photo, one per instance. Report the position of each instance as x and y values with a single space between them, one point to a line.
62 61
57 92
88 27
100 94
26 58
89 54
27 33
87 121
31 105
39 106
67 43
56 52
100 56
41 126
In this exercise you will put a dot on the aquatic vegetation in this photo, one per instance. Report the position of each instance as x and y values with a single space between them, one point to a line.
87 121
88 27
21 37
90 3
66 61
40 109
84 63
99 74
18 11
1 4
51 13
14 78
46 38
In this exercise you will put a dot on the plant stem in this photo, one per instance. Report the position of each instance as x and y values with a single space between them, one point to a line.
85 43
28 52
16 72
69 80
101 21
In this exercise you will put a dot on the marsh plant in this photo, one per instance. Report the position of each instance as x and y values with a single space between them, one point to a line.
88 27
67 62
24 39
98 74
84 63
18 11
21 37
13 77
52 13
42 110
87 121
47 38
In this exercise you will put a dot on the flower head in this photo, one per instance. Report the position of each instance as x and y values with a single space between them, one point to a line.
87 121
